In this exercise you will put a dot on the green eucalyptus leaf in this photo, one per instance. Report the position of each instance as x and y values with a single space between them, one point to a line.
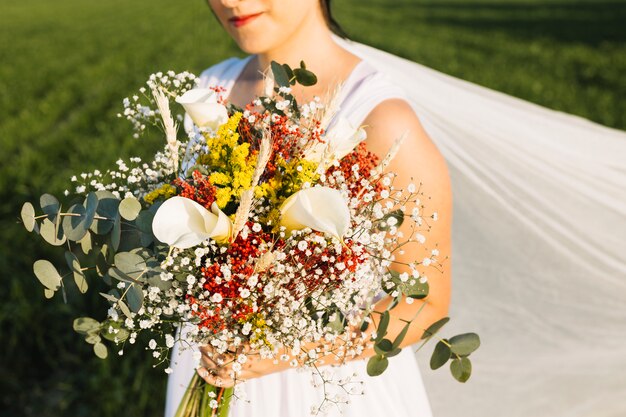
91 206
130 208
74 225
393 219
396 300
47 274
112 330
102 265
125 310
50 206
302 65
434 328
108 209
290 75
393 352
280 75
364 325
81 282
86 244
338 324
134 296
85 325
440 355
156 281
116 233
93 337
376 365
49 233
130 263
305 77
400 337
464 344
72 261
109 297
382 326
28 216
144 221
385 345
115 273
100 350
461 369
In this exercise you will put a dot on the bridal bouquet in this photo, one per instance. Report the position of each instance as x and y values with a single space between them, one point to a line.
268 232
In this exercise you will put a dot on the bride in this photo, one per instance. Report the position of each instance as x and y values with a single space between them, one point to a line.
288 32
538 233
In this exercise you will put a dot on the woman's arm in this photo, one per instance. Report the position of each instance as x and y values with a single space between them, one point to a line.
418 161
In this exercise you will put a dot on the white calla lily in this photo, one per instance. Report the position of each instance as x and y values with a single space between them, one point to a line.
182 223
202 106
319 208
340 139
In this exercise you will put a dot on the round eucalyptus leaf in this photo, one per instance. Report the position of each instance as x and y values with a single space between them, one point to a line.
47 274
50 205
108 209
461 369
376 365
130 208
85 325
385 345
109 297
144 221
92 338
440 356
91 205
116 232
102 266
156 281
72 261
48 293
280 75
49 233
125 310
129 263
464 344
100 350
28 216
305 77
112 330
393 219
81 282
393 352
86 244
435 327
134 296
74 225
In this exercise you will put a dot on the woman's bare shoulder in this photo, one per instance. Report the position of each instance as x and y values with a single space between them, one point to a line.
418 160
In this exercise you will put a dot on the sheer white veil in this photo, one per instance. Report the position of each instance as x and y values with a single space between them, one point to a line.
539 249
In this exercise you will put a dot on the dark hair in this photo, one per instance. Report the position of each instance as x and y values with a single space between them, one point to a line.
332 23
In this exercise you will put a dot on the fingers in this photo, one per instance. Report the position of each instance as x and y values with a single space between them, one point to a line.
215 380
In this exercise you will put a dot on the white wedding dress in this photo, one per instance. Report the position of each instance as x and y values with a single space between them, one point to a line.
399 392
538 258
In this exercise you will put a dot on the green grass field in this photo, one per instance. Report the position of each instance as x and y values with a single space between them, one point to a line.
66 65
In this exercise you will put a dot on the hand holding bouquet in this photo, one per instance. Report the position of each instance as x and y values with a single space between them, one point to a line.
269 233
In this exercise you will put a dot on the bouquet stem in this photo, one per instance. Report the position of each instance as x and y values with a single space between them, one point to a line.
197 399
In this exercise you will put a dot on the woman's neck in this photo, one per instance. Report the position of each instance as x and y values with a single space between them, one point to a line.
313 44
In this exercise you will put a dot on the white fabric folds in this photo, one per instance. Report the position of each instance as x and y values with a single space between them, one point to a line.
539 249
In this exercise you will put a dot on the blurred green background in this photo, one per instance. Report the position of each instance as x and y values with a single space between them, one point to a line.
65 65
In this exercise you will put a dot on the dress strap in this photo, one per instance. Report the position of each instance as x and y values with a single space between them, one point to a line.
224 74
365 89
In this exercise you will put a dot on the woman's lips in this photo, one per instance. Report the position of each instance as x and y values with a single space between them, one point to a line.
238 21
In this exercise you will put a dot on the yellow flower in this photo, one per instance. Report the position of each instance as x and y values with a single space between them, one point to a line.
164 192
